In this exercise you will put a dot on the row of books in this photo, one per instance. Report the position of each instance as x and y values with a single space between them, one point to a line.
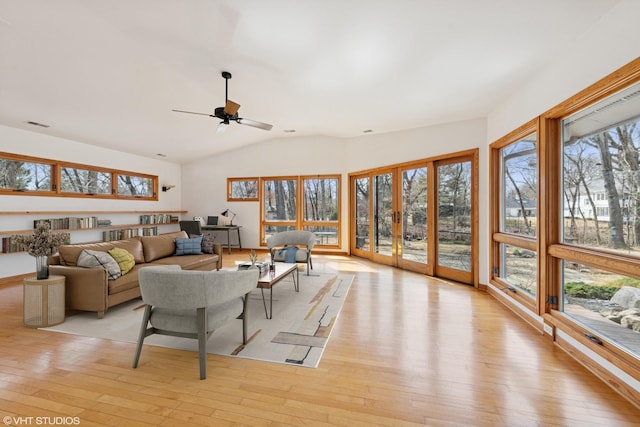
158 219
9 246
69 222
126 233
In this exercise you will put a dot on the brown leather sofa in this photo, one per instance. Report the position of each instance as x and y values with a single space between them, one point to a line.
88 289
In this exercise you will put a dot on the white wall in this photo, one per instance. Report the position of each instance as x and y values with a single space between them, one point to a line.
34 144
610 44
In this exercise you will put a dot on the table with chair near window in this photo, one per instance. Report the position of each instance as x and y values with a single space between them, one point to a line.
224 223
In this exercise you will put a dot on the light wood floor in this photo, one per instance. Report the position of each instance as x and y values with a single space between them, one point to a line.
406 350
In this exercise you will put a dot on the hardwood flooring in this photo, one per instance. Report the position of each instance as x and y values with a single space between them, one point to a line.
406 350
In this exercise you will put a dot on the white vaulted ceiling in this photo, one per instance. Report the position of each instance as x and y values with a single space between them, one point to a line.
108 73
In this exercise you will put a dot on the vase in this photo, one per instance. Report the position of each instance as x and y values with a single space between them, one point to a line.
42 267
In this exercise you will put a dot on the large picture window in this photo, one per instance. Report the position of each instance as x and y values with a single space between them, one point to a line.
601 213
301 203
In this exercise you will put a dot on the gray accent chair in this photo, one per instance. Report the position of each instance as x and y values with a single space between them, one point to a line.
193 228
303 240
192 304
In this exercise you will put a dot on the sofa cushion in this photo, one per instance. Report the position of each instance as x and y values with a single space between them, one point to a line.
156 247
191 246
207 243
89 258
126 282
133 246
124 258
69 253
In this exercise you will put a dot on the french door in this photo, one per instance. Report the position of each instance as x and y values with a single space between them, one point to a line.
455 224
394 220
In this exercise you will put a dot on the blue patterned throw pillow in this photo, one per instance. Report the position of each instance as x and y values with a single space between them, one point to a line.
191 246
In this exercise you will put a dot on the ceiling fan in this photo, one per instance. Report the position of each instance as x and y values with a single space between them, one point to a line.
229 112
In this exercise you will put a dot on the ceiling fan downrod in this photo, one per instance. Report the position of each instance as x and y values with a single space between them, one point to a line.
226 75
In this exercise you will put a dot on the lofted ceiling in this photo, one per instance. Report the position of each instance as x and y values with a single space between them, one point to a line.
108 73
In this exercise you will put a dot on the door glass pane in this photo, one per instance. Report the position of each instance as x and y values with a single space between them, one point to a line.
601 174
454 216
520 187
383 207
361 191
414 215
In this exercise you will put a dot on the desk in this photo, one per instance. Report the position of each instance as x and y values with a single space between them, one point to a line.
228 229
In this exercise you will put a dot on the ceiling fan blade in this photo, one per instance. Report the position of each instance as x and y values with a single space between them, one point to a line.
192 112
254 124
231 108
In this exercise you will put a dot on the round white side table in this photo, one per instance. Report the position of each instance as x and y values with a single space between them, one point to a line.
43 301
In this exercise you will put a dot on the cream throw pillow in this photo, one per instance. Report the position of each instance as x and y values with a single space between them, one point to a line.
89 258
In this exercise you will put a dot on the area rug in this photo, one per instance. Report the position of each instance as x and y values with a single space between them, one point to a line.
297 334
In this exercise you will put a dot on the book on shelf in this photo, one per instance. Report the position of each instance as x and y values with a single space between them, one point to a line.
127 233
158 219
9 246
68 223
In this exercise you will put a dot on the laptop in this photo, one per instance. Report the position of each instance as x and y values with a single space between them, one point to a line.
212 220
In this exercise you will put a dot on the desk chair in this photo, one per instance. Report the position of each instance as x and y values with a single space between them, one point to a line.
191 227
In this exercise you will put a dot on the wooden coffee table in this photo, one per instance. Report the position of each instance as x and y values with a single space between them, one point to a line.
268 280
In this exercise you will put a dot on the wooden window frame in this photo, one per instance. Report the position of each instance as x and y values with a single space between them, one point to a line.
336 223
551 249
498 237
56 190
299 222
231 181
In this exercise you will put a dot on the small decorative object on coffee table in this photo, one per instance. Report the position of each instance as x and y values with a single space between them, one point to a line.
253 257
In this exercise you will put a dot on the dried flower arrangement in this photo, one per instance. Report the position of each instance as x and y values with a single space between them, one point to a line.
42 242
253 257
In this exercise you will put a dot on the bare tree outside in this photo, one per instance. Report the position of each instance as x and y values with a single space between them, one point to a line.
25 176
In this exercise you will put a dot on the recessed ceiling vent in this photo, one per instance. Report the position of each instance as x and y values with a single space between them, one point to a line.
42 125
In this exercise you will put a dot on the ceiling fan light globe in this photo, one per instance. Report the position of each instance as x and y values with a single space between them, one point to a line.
222 126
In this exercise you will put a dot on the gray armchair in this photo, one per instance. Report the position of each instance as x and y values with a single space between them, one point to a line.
192 304
193 228
292 246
